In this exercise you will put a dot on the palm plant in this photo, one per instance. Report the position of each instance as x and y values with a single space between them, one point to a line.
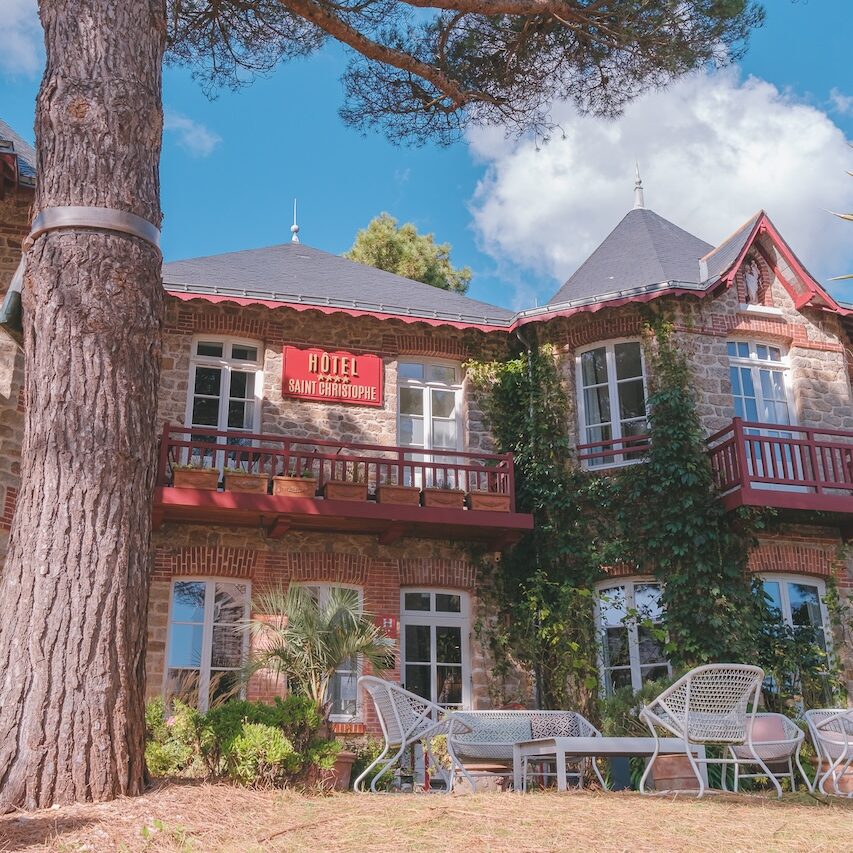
305 641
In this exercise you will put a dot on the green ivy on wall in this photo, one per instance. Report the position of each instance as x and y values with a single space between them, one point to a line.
662 518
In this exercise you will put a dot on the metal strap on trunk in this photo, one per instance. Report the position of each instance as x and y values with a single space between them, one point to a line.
70 216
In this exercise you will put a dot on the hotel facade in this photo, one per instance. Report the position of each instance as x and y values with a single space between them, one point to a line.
328 408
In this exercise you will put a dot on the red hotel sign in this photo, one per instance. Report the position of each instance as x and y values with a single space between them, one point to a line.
336 377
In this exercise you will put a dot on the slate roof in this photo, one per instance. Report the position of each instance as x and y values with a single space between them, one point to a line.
11 141
293 273
720 259
644 249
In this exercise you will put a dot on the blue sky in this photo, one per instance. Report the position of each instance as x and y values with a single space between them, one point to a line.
712 150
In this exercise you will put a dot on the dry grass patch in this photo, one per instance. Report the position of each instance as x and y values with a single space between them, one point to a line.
203 817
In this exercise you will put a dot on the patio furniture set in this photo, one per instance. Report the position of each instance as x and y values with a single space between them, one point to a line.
712 705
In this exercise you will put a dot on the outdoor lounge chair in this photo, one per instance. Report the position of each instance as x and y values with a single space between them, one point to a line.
831 730
777 739
712 704
490 737
406 719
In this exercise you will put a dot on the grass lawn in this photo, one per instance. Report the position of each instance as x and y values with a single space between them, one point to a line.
205 817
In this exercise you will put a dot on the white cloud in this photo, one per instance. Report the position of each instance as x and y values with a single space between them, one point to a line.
841 103
712 150
21 43
191 135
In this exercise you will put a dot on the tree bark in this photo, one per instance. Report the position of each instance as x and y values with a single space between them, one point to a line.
74 592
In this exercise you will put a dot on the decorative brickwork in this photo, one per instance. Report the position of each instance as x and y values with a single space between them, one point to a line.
317 566
9 502
210 561
426 345
803 555
456 574
582 331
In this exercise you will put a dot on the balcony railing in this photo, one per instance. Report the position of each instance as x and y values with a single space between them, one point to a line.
487 479
784 466
373 464
613 452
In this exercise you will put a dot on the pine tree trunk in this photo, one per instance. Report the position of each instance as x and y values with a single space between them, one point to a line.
74 591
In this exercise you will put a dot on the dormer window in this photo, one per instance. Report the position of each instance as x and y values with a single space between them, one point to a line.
612 403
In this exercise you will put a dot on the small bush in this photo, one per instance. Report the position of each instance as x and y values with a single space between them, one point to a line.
252 743
260 755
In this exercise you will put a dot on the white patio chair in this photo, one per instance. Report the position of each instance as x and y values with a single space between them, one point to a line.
712 704
831 730
777 739
406 719
490 737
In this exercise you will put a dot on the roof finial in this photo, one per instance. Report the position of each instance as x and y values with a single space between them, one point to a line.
639 201
294 229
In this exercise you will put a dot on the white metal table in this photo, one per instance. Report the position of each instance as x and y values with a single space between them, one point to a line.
559 748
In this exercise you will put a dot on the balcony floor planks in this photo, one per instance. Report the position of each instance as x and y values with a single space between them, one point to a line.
274 513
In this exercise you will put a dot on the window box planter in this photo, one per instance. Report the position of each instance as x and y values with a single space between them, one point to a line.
255 484
445 498
294 487
400 495
196 478
344 490
492 501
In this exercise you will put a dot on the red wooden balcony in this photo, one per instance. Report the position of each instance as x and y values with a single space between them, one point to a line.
796 468
458 480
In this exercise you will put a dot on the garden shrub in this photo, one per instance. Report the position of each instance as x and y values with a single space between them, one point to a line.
260 755
252 743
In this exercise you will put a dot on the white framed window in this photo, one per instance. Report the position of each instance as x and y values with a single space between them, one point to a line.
207 642
434 646
627 615
760 383
429 410
343 690
799 599
611 383
225 380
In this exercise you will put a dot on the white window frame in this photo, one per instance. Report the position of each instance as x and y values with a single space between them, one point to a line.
405 382
323 588
613 390
785 578
207 631
756 365
632 627
435 619
228 364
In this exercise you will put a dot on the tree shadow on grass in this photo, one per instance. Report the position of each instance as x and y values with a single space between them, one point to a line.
22 832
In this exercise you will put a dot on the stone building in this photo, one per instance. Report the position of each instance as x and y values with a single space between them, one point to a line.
286 361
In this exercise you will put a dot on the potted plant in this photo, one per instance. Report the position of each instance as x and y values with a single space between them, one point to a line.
444 494
305 642
620 718
193 476
239 480
388 492
302 485
353 486
491 501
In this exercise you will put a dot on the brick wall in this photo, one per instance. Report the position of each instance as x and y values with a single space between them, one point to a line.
380 571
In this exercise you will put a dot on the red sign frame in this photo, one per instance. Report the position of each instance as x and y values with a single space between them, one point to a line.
327 376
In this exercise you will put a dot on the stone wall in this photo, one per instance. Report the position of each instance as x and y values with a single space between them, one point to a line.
14 226
281 415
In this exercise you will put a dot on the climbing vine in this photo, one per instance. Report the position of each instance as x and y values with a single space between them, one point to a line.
661 518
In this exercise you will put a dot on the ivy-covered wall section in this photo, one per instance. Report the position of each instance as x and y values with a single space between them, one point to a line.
660 518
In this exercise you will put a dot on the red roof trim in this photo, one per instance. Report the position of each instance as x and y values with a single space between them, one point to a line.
329 309
763 225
